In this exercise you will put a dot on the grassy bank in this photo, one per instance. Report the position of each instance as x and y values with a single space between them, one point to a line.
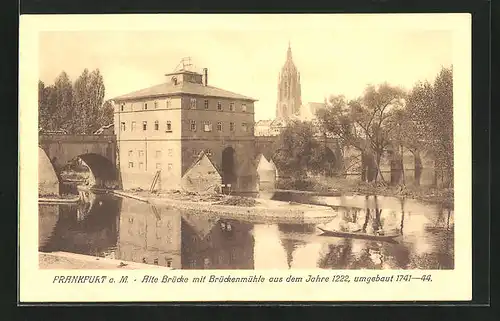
355 187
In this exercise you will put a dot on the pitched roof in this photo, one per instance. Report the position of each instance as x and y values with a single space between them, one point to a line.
264 164
169 89
198 159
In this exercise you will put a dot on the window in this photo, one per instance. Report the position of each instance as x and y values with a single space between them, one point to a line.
140 165
130 164
158 154
168 102
122 107
193 103
206 103
243 108
169 167
133 126
144 125
158 165
244 127
130 153
219 105
194 152
157 125
156 104
231 127
208 151
207 126
141 153
193 125
219 126
123 126
169 126
169 262
170 152
231 106
145 106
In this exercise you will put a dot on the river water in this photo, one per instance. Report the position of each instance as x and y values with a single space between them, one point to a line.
130 230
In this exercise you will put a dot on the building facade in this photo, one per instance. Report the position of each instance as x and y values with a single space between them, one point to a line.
161 131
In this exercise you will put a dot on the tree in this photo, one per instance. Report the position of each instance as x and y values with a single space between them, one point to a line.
105 114
300 152
43 106
336 120
430 108
81 103
96 92
78 108
373 114
63 109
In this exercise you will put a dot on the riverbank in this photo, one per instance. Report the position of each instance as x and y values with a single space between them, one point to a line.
342 186
65 260
237 207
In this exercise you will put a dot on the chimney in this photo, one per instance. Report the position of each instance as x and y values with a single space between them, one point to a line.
205 76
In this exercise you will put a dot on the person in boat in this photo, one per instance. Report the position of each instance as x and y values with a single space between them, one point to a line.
349 226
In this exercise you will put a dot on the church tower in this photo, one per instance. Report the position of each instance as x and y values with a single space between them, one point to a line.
289 95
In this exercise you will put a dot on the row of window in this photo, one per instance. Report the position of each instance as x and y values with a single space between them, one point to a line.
206 126
168 126
193 105
156 105
157 154
206 104
140 165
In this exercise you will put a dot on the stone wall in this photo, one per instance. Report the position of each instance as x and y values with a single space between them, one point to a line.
48 182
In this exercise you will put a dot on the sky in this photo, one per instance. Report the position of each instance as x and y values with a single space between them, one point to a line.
244 54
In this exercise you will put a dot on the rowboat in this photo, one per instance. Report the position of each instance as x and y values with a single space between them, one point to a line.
358 235
58 200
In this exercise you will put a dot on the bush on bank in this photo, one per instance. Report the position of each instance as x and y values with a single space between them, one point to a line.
342 185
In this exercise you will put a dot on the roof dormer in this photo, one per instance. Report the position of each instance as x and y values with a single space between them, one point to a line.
182 76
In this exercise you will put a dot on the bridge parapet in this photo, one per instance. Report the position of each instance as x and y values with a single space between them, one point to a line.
75 138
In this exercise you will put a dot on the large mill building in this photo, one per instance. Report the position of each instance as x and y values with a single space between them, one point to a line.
163 130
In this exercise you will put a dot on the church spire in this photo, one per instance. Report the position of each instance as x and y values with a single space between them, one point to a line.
289 52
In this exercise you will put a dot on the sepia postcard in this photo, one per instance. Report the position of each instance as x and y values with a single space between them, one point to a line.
314 157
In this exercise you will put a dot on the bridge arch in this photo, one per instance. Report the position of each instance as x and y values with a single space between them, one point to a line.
98 152
104 172
331 163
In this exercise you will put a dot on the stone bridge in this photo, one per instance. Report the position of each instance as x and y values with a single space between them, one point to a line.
270 145
98 152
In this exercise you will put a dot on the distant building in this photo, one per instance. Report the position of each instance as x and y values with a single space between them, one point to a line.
263 128
165 127
289 105
289 90
309 110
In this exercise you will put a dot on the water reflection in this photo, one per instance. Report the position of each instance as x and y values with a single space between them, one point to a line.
130 230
